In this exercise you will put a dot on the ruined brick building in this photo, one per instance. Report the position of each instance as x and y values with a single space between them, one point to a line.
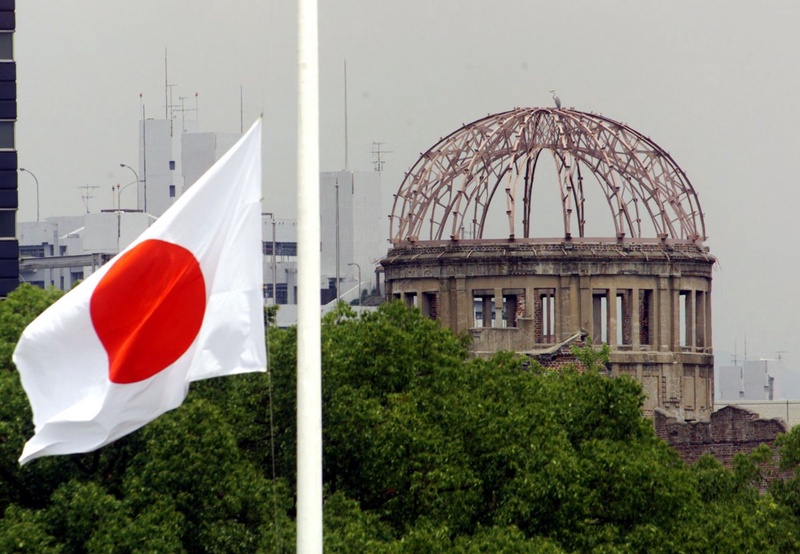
625 264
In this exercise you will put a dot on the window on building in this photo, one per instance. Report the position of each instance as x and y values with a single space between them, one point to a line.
430 305
645 316
6 46
624 319
544 314
34 251
282 294
513 306
684 315
172 165
600 316
6 134
7 223
483 307
172 191
281 248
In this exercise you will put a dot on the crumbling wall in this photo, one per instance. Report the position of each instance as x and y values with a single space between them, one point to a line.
730 431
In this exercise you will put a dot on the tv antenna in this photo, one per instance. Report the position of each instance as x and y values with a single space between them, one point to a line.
377 152
182 109
87 194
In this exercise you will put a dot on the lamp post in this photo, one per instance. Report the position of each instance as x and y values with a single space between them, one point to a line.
337 241
359 281
137 180
37 190
119 193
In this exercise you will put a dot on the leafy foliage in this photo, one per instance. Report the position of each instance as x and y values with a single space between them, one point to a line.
425 450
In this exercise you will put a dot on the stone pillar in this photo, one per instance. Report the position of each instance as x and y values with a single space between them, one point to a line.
611 316
486 311
498 308
662 315
585 317
461 305
709 334
691 328
597 319
563 310
634 309
700 320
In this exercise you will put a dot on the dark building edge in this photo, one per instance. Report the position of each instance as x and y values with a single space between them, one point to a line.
9 245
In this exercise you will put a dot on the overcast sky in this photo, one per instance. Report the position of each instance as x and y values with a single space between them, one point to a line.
715 83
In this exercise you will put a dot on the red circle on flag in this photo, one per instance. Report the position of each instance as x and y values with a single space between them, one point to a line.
147 309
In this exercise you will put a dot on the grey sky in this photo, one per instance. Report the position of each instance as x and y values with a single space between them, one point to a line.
716 83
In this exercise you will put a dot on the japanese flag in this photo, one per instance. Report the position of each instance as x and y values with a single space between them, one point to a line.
183 302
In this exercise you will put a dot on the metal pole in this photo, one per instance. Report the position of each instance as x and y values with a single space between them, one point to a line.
309 351
359 281
275 269
337 240
274 266
137 181
37 190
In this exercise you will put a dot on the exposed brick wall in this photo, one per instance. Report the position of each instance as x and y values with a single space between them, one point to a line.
562 358
731 431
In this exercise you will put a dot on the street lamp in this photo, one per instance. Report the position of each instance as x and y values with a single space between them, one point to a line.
119 193
137 180
359 281
37 190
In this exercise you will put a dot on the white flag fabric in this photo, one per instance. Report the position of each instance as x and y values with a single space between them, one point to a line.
183 302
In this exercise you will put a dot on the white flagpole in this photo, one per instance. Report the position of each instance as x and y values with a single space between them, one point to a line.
309 357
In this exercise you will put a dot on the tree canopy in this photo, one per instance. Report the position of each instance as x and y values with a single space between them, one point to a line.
425 450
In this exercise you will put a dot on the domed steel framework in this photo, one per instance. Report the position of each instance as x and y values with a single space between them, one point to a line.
451 186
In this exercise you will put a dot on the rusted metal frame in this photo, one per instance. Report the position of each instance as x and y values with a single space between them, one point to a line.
403 215
499 136
615 138
416 212
565 180
408 210
530 174
438 177
502 135
491 192
621 128
526 142
682 181
513 174
634 225
642 177
612 187
477 154
566 195
688 219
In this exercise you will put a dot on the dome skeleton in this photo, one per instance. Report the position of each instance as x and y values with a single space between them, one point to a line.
454 182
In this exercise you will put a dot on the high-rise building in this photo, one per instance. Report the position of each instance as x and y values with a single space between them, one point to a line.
172 156
9 248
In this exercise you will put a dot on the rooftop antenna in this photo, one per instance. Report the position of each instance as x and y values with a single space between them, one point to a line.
346 144
87 194
166 87
745 347
183 111
376 151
